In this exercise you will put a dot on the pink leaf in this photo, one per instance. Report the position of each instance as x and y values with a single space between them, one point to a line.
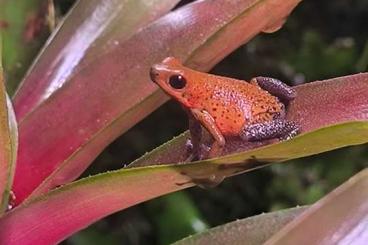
63 211
341 217
318 104
92 27
111 94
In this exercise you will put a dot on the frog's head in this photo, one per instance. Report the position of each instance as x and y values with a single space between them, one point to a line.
173 78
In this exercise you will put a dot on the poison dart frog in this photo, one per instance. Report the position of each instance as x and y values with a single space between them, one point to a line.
227 107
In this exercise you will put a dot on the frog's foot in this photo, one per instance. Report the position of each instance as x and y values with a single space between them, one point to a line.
278 128
275 87
293 129
216 150
197 154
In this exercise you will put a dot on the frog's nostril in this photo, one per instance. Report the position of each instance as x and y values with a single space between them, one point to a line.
153 74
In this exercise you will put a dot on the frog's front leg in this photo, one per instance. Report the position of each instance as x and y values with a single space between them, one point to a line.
194 143
209 123
278 128
275 87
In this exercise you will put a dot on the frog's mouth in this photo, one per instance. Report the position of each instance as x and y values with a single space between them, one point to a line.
153 74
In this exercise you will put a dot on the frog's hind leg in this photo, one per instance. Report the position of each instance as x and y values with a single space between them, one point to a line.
278 128
275 87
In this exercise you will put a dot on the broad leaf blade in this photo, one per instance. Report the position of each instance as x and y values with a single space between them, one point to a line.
8 143
254 230
63 211
111 94
90 29
73 207
339 218
110 22
318 104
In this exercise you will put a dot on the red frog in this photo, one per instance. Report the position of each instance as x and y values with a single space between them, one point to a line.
227 107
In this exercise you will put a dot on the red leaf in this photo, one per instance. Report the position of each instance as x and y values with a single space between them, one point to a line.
68 130
92 28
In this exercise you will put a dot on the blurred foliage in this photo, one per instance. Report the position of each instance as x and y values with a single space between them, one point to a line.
25 25
321 39
174 216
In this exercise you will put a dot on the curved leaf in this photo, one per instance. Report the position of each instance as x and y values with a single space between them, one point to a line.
254 230
318 104
111 94
63 211
72 207
8 143
91 28
339 218
71 47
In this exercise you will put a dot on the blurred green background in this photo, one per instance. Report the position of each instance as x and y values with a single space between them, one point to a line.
321 39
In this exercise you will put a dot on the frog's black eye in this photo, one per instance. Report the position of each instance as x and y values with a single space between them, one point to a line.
177 81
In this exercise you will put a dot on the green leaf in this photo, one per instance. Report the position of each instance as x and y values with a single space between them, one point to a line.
251 231
8 143
175 216
24 27
339 218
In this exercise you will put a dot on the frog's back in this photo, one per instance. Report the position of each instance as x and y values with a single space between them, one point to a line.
234 103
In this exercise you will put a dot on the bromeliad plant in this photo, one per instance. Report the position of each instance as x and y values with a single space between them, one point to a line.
90 84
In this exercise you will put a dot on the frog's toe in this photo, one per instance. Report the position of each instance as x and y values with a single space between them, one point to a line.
196 154
292 129
190 158
189 145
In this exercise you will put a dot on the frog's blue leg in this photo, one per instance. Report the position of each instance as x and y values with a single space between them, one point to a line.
278 128
275 87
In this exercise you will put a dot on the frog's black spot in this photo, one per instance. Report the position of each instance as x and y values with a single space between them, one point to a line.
177 81
214 109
